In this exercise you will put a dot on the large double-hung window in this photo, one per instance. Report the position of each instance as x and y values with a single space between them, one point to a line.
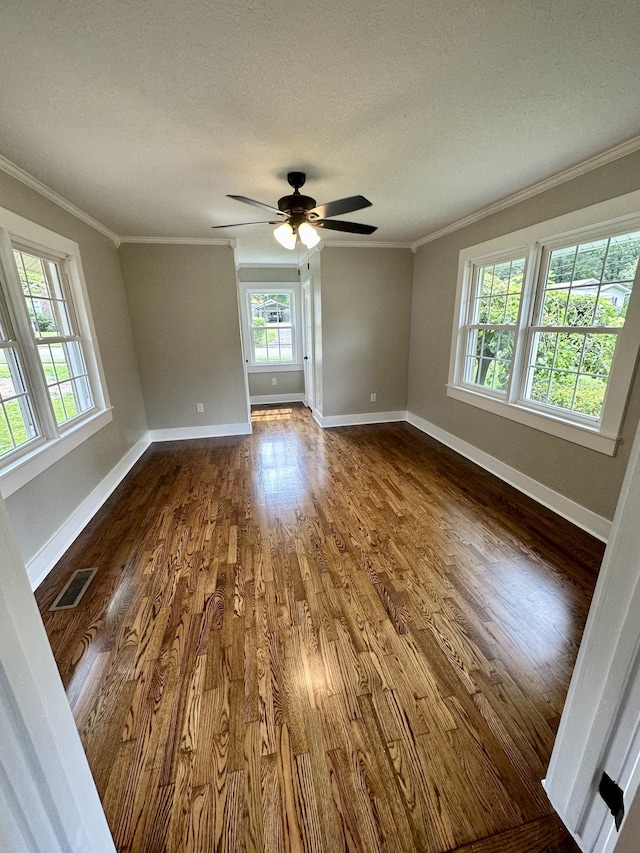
547 330
51 393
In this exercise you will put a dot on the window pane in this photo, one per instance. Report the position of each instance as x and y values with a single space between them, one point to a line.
498 289
489 357
496 298
17 423
589 284
270 308
586 285
62 362
570 371
272 345
42 287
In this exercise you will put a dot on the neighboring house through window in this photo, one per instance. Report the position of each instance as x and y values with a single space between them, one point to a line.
547 324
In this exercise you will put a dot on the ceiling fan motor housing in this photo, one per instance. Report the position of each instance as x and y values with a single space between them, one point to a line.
296 203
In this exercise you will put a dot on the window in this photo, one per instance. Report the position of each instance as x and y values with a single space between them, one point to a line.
271 326
51 393
55 334
493 323
539 333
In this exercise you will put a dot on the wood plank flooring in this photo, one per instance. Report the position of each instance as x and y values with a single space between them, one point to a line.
307 640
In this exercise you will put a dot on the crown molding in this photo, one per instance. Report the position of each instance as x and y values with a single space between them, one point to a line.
25 178
180 241
582 168
353 244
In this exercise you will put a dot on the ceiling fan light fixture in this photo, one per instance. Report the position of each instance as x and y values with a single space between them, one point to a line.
285 235
308 235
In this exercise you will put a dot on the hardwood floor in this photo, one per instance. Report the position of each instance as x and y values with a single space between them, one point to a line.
308 640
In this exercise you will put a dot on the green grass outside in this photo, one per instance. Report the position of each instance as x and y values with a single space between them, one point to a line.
14 416
59 372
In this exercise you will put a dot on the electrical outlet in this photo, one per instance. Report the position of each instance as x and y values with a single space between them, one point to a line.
374 397
200 407
274 381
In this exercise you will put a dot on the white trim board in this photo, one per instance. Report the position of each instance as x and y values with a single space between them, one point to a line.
41 564
277 398
206 431
599 727
357 420
582 517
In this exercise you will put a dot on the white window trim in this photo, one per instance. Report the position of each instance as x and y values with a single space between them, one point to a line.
42 453
622 213
246 287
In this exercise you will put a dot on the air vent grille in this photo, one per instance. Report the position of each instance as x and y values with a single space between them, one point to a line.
74 589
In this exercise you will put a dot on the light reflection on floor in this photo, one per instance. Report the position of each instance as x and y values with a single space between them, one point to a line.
276 414
279 467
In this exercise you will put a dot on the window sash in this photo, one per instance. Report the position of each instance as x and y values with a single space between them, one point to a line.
61 353
18 425
515 402
489 292
274 342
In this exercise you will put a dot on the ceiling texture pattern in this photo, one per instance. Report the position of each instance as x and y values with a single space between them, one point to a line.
146 115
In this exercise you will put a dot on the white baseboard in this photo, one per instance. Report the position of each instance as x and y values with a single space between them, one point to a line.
207 431
582 517
357 420
41 564
277 398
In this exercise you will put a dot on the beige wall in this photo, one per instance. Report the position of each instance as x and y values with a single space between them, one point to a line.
289 382
184 313
366 304
585 476
268 274
42 506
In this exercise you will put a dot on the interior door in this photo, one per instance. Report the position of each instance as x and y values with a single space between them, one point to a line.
307 342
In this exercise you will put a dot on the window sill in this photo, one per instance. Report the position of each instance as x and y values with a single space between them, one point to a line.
21 471
273 368
577 434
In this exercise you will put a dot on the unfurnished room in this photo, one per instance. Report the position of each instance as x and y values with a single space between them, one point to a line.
319 427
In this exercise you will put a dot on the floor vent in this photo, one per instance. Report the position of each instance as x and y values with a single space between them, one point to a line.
74 589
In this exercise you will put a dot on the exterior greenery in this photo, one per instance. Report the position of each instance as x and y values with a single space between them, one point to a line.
586 293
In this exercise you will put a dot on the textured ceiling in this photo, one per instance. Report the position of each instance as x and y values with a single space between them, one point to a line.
146 114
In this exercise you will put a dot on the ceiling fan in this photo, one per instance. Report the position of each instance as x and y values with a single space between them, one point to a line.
301 216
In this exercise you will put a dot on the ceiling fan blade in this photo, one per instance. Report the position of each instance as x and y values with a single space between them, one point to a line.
341 206
260 222
352 227
254 203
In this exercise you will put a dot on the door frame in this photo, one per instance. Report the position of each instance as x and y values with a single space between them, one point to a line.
308 362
